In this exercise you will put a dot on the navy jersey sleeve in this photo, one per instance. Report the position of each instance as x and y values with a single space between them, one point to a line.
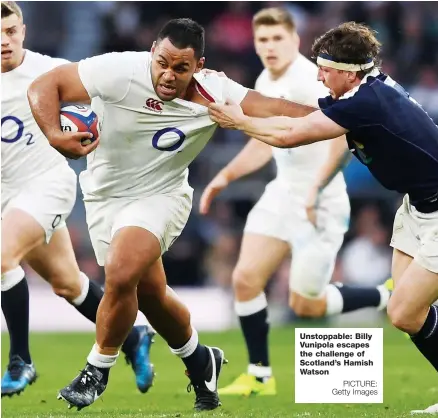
355 110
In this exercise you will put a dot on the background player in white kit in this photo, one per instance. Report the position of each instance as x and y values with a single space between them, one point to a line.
278 224
38 194
153 122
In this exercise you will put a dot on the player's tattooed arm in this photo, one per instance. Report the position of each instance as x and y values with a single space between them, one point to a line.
278 131
62 84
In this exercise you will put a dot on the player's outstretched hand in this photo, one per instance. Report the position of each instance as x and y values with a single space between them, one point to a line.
312 204
229 116
219 183
69 144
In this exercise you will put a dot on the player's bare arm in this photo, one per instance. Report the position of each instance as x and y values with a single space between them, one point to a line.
252 157
62 84
278 131
257 105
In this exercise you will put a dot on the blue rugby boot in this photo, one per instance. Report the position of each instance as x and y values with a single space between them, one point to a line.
17 376
139 358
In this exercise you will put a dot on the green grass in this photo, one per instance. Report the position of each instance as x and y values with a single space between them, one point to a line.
410 383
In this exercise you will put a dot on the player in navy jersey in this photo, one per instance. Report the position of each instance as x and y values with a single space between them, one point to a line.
393 136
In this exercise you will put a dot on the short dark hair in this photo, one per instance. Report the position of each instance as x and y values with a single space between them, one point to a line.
11 8
184 33
351 43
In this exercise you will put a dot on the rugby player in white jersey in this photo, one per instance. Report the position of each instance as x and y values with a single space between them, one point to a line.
38 194
153 122
278 226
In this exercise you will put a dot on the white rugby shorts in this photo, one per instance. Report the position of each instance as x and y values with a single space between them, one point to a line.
164 215
49 198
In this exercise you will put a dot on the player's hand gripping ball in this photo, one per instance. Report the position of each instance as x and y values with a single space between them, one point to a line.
76 118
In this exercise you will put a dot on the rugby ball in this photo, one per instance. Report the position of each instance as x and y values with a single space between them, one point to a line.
77 118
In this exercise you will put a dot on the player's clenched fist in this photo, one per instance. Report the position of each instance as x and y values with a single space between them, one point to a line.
70 144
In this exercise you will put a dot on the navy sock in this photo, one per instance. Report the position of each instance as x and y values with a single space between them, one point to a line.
426 339
357 297
255 329
89 306
197 361
15 307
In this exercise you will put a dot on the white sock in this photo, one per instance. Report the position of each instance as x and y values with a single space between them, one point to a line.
189 347
103 361
11 278
334 299
384 297
252 306
259 371
85 285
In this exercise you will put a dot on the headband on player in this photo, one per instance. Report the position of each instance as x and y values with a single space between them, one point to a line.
328 61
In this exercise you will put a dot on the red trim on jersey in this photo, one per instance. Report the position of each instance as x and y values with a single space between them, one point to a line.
204 93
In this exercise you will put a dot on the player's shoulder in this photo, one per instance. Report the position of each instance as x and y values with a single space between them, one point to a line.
304 67
124 57
36 61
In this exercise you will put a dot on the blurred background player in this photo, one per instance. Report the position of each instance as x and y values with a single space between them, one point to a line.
38 194
390 133
278 225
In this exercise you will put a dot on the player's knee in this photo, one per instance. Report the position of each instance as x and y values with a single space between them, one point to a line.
244 284
67 291
9 261
404 319
120 279
306 308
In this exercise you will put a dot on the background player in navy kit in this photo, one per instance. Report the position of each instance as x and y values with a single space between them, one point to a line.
395 138
38 194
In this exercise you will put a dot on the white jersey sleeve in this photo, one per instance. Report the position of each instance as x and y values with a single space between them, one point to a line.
107 76
233 91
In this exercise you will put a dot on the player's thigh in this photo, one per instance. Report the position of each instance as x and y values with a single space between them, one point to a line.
400 262
20 234
144 229
55 262
265 241
259 257
315 249
404 240
36 211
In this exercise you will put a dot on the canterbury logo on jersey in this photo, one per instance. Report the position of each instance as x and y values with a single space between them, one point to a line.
154 104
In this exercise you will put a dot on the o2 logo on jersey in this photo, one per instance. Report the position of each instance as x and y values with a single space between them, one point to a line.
15 129
168 139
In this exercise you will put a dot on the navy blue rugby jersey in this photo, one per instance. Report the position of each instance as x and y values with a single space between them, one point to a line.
391 134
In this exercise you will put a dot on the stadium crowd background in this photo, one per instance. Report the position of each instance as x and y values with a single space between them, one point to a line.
206 252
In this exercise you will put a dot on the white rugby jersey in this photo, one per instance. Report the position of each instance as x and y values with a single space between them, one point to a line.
26 153
146 144
299 166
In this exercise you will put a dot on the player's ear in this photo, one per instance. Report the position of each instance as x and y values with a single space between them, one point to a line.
154 44
24 31
200 64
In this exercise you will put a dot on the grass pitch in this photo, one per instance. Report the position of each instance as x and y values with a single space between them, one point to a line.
410 382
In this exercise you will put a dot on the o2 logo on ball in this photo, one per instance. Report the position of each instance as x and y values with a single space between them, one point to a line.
168 139
13 129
